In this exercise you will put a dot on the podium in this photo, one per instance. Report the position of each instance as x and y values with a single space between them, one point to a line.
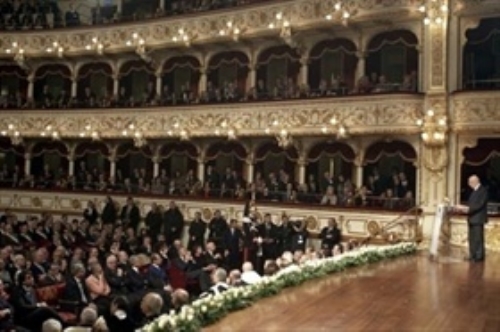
441 218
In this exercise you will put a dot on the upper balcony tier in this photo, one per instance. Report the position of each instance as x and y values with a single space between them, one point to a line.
255 19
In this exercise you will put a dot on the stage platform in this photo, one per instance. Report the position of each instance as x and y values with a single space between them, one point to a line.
407 294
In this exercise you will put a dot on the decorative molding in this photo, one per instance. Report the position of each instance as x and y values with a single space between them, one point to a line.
375 114
250 20
459 233
476 112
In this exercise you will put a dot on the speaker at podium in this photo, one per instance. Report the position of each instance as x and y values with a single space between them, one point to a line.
440 236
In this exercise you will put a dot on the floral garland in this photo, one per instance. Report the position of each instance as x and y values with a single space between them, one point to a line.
210 309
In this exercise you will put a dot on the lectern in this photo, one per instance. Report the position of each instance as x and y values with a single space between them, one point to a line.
442 214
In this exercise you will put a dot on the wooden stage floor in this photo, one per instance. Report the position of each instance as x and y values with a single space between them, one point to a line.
407 294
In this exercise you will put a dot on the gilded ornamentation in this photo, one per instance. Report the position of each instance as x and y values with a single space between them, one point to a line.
373 228
370 115
471 109
76 204
438 61
312 223
435 159
37 202
207 214
251 21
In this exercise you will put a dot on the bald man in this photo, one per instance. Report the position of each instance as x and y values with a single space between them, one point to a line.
477 216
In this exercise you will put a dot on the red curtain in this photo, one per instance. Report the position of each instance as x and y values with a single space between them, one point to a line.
265 149
91 147
58 147
182 148
392 148
481 154
226 148
331 149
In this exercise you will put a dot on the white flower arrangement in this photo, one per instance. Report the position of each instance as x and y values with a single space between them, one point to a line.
207 310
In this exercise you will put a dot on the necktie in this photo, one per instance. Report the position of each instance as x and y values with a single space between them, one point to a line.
82 293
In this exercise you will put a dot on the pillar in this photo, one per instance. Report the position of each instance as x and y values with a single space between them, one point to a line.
71 166
74 87
112 167
301 170
119 6
31 88
202 87
252 77
361 66
250 171
201 169
162 5
27 164
304 71
159 84
358 181
116 85
156 166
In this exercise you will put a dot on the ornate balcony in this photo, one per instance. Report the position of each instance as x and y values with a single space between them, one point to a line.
374 114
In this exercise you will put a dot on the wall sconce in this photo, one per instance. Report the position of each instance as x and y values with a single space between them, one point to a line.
434 11
136 135
49 131
341 12
280 22
182 37
88 132
226 129
434 129
281 133
336 127
19 55
230 30
140 46
13 133
95 45
56 48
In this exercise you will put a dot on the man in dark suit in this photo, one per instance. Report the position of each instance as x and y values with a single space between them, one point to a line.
75 290
477 216
233 240
130 214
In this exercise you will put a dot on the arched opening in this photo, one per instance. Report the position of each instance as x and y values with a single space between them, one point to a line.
13 87
332 67
226 164
390 174
181 79
52 86
331 160
137 84
278 69
95 84
178 159
227 77
481 60
392 62
91 159
49 163
275 171
134 167
482 160
11 164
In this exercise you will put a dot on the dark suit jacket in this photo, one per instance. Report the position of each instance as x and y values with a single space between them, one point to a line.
22 302
478 206
7 322
72 292
135 281
133 218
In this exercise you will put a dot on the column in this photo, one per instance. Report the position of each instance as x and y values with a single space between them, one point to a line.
304 71
112 167
116 85
250 170
74 87
252 77
202 87
201 169
71 167
159 84
162 5
119 6
361 66
27 164
156 166
302 170
31 88
358 182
